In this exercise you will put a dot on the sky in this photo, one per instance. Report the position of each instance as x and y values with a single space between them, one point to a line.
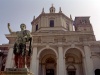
17 12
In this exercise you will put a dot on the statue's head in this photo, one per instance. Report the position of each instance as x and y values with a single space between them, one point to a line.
23 26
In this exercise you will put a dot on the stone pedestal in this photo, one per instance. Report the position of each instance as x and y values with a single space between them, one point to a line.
16 71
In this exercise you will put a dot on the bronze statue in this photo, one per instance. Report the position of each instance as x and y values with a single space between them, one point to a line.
19 48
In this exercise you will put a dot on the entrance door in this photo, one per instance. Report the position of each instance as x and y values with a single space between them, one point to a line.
71 73
49 71
97 72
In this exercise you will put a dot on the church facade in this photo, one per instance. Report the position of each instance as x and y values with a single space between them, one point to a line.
60 46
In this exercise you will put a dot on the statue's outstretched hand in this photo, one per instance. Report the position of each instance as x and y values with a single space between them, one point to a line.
9 28
8 25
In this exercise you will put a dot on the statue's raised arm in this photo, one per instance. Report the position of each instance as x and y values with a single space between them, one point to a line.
9 28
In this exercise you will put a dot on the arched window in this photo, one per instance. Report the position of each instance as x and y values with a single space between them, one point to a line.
36 27
51 23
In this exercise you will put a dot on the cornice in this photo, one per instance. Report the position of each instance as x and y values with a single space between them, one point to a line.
62 33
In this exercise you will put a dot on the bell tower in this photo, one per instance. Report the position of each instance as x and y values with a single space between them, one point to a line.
83 24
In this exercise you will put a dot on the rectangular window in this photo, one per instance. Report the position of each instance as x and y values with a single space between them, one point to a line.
36 27
51 23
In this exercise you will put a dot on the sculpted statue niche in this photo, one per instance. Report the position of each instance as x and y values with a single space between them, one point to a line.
19 48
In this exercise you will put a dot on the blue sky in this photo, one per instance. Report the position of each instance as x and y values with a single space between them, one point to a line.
16 12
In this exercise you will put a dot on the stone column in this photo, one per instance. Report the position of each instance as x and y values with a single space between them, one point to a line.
9 61
60 61
33 64
88 61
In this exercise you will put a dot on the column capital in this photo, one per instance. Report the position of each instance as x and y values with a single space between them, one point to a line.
59 46
86 44
34 47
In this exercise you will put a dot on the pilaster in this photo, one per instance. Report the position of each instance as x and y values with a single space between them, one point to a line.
88 61
60 61
85 66
33 64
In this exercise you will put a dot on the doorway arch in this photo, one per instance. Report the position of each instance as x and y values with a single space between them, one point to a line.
47 62
74 59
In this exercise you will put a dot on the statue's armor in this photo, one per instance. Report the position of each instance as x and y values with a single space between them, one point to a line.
20 44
